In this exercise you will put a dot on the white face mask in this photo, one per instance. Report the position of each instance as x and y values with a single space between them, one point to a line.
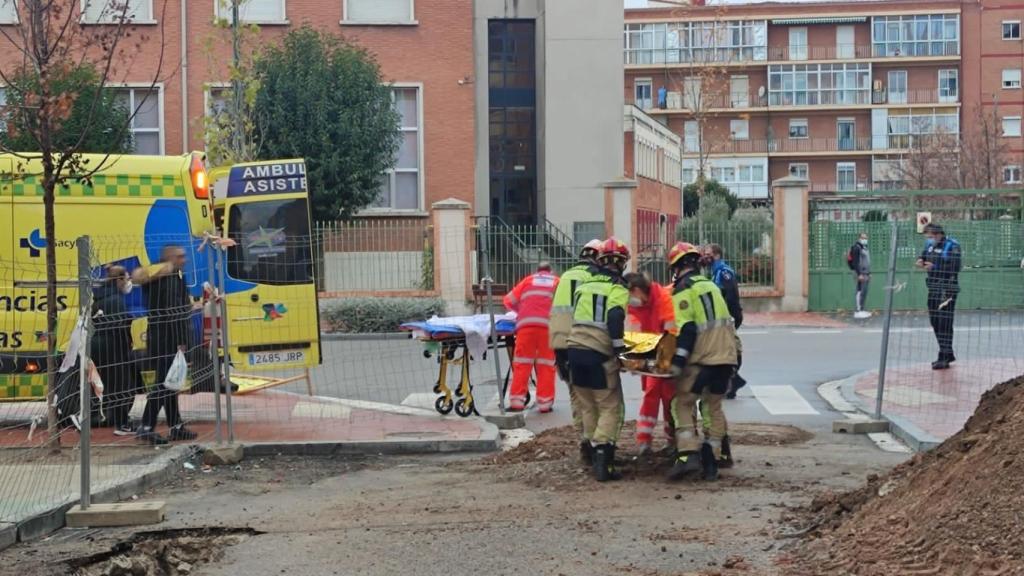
864 241
127 287
635 302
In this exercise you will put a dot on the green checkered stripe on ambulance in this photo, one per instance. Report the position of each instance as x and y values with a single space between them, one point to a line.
22 386
117 186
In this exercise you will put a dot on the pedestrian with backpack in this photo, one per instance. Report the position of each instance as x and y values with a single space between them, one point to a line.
859 261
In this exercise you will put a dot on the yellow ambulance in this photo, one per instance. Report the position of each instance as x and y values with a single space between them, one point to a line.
133 207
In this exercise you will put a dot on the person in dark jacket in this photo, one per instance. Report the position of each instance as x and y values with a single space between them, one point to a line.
725 278
941 258
112 349
169 312
859 261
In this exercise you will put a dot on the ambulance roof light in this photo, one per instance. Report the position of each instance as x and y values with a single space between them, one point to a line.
200 179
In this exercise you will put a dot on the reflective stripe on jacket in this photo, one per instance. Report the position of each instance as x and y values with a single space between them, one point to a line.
599 315
707 335
531 299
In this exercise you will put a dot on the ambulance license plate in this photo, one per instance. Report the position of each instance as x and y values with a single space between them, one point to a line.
280 357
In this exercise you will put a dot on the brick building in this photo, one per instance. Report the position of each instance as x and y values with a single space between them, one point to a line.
424 48
654 162
837 92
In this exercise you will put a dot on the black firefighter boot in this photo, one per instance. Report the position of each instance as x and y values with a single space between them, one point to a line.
586 453
686 463
709 463
604 463
726 460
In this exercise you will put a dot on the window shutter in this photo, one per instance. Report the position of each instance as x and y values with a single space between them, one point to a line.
379 10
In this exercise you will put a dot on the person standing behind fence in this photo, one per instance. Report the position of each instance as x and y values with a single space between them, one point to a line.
859 261
531 301
561 324
112 349
169 318
941 258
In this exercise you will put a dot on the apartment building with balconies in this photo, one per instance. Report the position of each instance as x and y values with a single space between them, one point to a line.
839 93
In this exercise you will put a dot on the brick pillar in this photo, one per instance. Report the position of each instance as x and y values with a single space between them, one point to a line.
791 250
452 251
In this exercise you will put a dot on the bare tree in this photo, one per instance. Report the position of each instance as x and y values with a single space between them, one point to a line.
983 152
705 90
926 165
49 39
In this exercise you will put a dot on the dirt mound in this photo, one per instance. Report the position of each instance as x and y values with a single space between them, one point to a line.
551 459
957 509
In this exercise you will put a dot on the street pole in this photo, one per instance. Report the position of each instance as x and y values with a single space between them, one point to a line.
236 81
214 335
222 256
487 281
84 394
890 293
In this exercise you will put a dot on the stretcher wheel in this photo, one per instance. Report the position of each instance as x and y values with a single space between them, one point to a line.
427 354
443 404
464 407
437 388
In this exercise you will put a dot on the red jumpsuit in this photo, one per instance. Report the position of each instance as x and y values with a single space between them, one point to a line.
531 300
656 317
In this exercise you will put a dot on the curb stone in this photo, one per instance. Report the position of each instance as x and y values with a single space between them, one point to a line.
900 427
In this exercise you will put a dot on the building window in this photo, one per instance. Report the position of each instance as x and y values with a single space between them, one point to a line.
949 85
798 128
379 11
400 186
751 174
739 129
8 12
112 11
905 128
798 43
147 121
1011 126
643 93
723 174
1011 29
921 35
819 84
799 170
253 11
1011 174
846 176
674 42
1011 78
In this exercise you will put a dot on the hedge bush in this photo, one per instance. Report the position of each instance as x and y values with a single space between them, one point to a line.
376 315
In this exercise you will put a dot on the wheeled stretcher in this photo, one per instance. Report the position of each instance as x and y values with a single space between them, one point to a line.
449 343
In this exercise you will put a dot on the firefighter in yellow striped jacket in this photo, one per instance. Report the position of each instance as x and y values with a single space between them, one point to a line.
706 357
595 342
561 324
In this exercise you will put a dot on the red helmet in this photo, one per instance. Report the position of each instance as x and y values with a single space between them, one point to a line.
613 250
680 250
591 250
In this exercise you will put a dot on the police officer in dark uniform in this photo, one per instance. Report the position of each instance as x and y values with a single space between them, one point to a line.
941 258
724 277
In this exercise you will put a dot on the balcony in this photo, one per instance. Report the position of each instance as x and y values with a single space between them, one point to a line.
783 146
684 103
683 57
798 53
932 143
914 97
916 49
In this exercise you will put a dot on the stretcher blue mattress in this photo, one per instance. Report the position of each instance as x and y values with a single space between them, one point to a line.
504 328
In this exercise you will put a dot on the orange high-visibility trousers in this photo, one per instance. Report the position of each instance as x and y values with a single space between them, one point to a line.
532 349
658 394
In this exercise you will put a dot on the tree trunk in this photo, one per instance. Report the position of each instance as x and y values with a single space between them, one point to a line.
53 433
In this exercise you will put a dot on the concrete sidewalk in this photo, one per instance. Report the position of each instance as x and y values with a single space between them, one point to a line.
927 406
37 486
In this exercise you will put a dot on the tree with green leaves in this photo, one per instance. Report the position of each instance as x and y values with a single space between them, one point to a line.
712 188
96 119
323 99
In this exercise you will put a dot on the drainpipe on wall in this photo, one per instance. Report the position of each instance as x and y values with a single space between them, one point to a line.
184 76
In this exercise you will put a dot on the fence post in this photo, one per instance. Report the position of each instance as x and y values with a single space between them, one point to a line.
222 256
84 393
791 233
890 292
214 310
451 228
487 281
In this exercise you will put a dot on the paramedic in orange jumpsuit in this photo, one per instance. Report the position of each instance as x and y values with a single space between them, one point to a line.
531 300
650 309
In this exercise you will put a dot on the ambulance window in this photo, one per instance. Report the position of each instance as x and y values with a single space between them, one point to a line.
273 242
218 218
